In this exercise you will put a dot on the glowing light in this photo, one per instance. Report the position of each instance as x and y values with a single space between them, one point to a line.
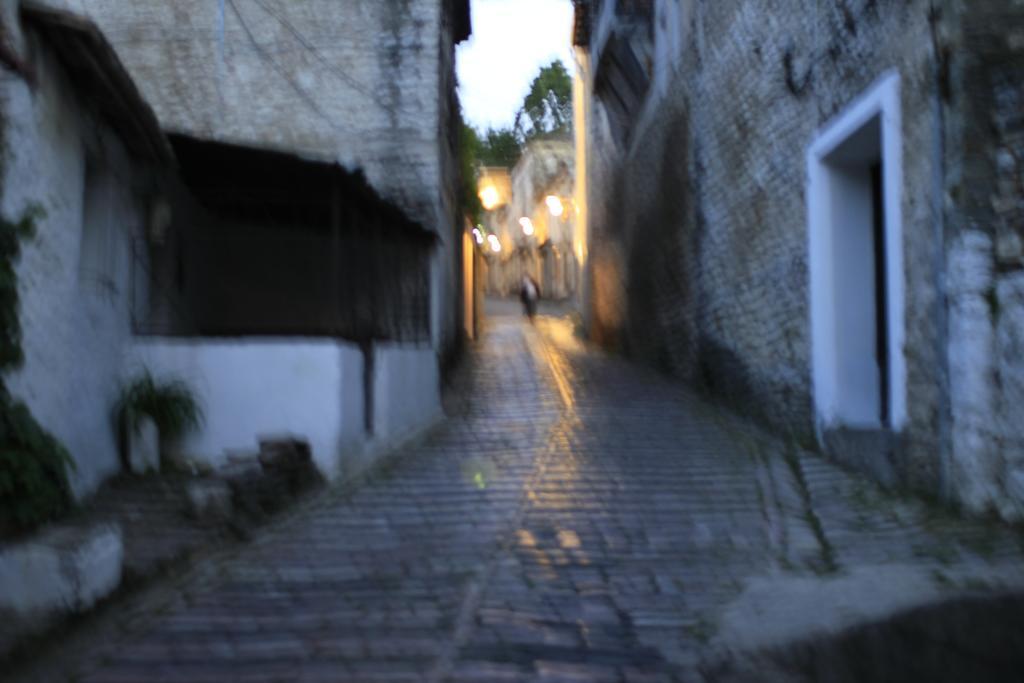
495 243
554 205
526 538
527 225
478 236
477 472
489 197
568 539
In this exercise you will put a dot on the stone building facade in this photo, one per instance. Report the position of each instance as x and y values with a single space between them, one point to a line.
813 211
535 231
107 126
542 192
369 84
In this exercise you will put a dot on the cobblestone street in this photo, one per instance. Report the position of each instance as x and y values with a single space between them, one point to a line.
578 518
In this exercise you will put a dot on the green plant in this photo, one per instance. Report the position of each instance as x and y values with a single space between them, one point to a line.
34 486
12 234
499 147
469 147
170 404
992 297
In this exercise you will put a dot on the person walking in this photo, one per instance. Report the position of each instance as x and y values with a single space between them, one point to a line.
529 293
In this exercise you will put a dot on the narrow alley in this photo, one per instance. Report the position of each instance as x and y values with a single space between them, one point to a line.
459 341
577 518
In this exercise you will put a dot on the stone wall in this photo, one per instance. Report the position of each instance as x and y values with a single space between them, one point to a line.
447 321
698 215
984 182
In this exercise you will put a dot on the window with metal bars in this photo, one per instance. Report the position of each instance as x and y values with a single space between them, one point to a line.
269 244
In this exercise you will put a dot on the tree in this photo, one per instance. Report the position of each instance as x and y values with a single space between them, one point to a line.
470 147
499 147
547 108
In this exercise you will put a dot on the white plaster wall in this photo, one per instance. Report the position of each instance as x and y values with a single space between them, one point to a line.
1010 355
75 329
986 374
406 392
307 387
972 371
64 570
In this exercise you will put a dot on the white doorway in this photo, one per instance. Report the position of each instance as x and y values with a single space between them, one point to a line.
856 265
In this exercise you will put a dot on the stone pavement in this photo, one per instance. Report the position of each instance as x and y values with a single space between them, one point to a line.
577 519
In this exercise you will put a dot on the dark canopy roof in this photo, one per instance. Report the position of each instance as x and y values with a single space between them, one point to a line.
265 186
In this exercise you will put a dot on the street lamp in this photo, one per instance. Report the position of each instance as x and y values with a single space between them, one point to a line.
478 236
489 197
495 243
527 225
554 205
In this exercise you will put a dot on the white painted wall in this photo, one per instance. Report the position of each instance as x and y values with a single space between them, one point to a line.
1010 354
406 393
250 387
63 570
986 378
972 371
76 323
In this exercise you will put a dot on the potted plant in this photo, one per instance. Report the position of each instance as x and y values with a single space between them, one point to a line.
151 415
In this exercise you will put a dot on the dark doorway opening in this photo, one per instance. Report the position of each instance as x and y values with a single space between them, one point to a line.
881 292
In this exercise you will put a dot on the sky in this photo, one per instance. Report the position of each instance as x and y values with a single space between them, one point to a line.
511 41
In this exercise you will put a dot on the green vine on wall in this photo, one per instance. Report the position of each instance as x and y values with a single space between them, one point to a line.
12 234
34 486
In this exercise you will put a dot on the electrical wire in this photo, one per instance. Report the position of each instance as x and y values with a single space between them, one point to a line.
315 51
306 97
306 43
